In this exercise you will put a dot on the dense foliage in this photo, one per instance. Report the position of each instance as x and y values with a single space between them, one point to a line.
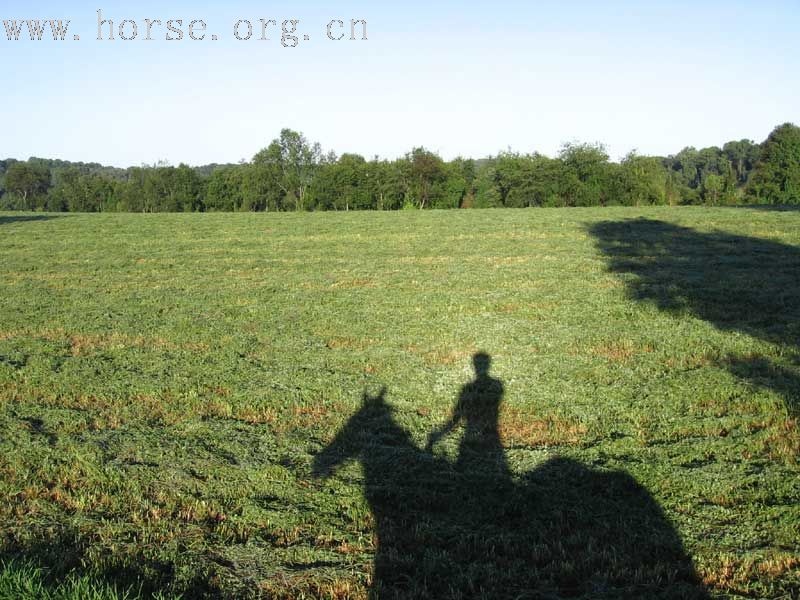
292 174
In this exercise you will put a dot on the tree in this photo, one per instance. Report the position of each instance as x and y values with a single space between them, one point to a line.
641 180
514 178
691 168
743 156
29 182
385 184
4 165
75 191
293 174
589 164
224 190
342 184
289 164
777 174
425 171
487 192
458 184
261 190
186 189
713 187
351 182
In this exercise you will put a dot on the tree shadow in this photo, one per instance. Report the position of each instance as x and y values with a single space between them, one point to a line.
467 529
9 219
60 557
736 283
767 207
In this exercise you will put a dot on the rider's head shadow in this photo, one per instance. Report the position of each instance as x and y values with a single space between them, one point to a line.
482 362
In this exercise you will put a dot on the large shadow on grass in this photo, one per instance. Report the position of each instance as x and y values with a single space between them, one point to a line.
9 219
468 529
737 283
767 207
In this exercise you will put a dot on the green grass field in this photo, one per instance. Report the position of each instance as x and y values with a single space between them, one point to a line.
260 405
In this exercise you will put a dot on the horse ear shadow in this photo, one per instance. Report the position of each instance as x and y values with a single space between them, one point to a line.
369 400
355 435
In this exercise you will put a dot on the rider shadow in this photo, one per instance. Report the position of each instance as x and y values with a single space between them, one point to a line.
478 407
469 530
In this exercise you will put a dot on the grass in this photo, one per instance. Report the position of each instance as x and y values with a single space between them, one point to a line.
26 581
247 405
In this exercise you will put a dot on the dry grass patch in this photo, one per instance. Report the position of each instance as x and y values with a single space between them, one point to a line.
84 344
507 260
607 284
735 575
346 284
620 350
217 408
292 587
426 260
443 355
783 444
291 419
510 308
520 428
350 343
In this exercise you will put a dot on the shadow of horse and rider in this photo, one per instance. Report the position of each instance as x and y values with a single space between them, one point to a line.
469 529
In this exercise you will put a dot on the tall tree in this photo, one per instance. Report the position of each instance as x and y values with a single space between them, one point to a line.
642 180
777 175
589 163
487 192
225 189
76 191
385 184
29 182
425 172
289 163
743 156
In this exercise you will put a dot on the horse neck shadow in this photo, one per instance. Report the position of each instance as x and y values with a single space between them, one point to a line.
369 435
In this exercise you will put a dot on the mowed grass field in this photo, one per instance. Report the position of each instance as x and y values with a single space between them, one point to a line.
261 405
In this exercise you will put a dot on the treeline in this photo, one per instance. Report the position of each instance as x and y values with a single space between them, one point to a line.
292 174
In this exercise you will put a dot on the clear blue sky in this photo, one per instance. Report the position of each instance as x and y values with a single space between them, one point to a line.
460 78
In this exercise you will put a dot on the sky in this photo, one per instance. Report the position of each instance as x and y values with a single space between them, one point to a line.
459 78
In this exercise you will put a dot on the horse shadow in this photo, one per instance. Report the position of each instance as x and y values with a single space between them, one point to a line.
468 529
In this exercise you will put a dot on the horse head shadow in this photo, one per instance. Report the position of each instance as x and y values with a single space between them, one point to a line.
405 488
562 530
